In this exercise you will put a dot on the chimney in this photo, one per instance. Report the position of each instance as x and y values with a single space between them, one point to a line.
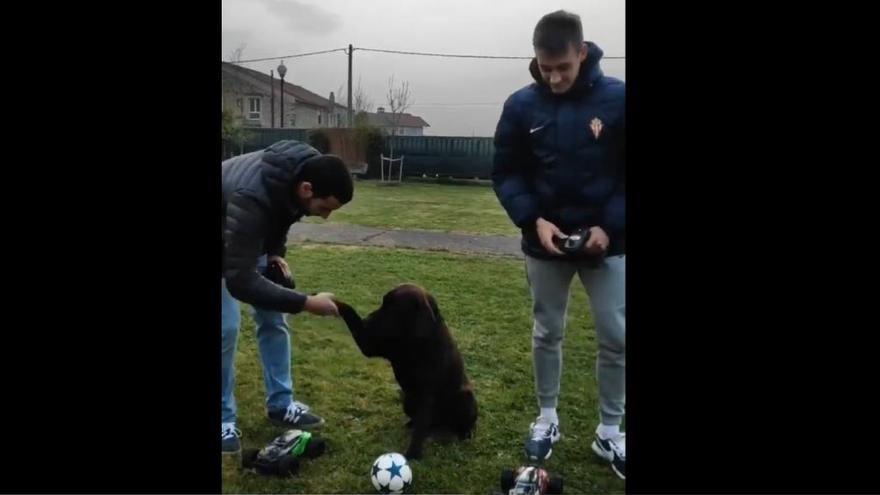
332 97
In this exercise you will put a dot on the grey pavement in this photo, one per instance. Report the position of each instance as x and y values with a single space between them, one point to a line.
356 235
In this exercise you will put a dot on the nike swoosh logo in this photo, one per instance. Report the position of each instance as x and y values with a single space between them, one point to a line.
536 129
606 446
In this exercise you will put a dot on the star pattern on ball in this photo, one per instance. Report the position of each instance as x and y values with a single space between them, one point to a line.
384 488
376 469
395 470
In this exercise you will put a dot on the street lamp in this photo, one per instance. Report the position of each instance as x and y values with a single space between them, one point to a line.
272 97
282 70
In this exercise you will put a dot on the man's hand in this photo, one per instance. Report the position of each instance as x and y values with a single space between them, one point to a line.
321 304
546 232
282 263
598 242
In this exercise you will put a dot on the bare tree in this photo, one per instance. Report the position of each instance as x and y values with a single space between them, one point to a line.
235 55
360 101
399 99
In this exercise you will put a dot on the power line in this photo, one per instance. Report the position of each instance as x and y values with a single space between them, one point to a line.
441 54
456 104
291 56
459 55
424 54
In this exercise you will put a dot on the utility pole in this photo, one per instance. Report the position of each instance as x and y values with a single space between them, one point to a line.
350 118
272 100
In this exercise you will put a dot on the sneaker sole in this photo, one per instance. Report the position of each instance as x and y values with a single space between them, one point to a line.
608 456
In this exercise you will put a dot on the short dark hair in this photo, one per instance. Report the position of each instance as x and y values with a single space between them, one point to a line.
556 31
329 176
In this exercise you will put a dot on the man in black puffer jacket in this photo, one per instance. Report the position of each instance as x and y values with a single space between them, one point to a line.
264 193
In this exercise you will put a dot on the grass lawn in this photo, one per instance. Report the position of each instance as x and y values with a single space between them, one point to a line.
472 209
486 304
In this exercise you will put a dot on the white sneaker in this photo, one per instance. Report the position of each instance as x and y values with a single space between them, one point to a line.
542 435
229 439
612 450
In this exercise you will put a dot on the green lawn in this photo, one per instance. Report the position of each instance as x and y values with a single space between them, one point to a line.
486 304
472 209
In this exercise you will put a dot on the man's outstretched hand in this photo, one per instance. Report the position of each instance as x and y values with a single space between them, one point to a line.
322 304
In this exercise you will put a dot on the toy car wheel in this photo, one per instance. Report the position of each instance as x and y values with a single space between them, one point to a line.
288 465
554 487
315 448
507 479
249 457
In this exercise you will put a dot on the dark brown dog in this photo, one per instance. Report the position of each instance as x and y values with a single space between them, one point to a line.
408 330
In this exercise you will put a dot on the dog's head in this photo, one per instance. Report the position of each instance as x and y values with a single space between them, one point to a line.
407 311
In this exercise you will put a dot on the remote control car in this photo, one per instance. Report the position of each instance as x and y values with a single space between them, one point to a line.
281 456
530 480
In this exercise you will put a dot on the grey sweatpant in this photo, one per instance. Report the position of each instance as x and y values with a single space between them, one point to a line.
549 282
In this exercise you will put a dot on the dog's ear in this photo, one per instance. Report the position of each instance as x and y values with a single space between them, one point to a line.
434 311
428 319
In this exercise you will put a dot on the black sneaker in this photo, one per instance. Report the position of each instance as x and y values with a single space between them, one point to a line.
542 435
613 450
229 442
297 416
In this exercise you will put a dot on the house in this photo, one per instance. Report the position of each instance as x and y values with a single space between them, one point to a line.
248 94
406 125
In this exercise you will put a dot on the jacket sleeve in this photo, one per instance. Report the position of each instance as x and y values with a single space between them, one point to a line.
246 227
614 212
510 177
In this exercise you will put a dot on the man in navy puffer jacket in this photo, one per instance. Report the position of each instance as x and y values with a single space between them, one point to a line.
558 167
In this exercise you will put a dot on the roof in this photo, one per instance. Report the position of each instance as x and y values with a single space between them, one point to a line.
383 119
301 94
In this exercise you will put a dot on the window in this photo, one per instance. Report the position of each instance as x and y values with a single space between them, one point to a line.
338 120
319 118
254 108
293 120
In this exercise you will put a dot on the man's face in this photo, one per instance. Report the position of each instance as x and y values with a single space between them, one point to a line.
320 207
560 71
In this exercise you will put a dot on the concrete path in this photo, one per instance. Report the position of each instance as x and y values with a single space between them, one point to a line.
356 235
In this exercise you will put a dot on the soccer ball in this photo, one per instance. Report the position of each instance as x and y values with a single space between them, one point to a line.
391 473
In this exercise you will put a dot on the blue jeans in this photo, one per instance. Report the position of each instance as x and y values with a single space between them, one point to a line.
273 340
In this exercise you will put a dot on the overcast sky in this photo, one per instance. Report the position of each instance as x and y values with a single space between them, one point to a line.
457 97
